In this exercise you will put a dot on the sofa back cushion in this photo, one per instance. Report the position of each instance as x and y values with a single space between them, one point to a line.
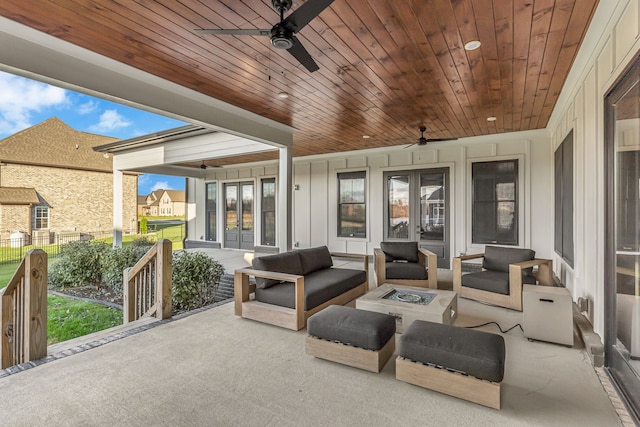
400 251
315 259
286 262
498 258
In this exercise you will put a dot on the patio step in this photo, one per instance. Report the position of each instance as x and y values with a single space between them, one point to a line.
225 288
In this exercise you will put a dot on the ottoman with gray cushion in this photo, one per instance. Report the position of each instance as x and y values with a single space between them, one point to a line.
358 338
461 362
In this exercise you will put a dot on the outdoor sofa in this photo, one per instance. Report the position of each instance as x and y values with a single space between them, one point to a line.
291 286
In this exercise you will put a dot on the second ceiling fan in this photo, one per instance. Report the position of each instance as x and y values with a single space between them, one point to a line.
424 141
283 33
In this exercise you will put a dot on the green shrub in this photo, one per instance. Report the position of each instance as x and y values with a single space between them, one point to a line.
195 280
78 264
143 225
120 258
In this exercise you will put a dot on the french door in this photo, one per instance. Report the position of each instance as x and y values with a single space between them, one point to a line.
417 209
239 215
622 239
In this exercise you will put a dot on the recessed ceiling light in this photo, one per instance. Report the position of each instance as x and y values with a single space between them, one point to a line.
366 136
283 95
472 45
492 119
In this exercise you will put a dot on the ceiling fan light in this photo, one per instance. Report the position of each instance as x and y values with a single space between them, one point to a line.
472 45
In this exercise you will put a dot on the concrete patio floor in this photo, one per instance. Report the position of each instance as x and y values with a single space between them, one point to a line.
212 368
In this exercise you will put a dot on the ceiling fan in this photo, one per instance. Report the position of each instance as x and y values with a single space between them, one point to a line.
205 166
424 141
283 33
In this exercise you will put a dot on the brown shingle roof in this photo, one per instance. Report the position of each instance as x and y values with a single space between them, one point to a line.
176 195
54 143
18 196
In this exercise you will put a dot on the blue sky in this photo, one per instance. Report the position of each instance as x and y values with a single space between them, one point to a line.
25 102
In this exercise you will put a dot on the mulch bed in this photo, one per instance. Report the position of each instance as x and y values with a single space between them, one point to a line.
105 294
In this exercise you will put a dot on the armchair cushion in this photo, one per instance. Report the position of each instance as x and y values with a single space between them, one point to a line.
498 259
400 251
405 270
286 262
315 259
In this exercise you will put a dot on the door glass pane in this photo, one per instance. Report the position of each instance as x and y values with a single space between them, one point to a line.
268 205
247 207
432 207
211 211
627 227
232 207
398 188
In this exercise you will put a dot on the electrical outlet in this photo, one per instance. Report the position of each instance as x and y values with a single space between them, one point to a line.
296 244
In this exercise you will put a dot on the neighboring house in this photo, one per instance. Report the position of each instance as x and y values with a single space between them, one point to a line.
52 182
163 203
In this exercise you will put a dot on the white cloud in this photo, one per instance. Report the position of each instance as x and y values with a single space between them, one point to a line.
161 185
110 120
88 107
20 97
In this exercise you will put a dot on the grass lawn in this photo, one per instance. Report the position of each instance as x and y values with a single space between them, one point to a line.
69 318
6 273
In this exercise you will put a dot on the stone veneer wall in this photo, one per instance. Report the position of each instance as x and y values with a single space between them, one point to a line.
79 200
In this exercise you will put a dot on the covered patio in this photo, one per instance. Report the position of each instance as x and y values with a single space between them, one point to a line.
213 368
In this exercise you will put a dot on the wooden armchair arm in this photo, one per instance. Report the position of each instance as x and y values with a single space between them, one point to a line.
544 274
242 288
457 269
379 268
429 260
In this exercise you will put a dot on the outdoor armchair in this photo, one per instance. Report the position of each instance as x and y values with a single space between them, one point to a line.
404 263
504 271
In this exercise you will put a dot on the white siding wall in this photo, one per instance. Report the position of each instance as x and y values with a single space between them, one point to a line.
615 37
315 200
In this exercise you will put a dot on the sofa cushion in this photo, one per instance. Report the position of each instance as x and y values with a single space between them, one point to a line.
400 251
405 270
319 287
498 258
315 259
286 262
492 281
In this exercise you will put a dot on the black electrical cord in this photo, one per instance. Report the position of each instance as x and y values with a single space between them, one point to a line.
499 327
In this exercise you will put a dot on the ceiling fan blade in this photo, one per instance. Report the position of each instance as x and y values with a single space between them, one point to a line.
440 139
302 55
304 14
410 145
233 32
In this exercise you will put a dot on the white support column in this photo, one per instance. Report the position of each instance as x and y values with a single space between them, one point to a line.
117 208
285 194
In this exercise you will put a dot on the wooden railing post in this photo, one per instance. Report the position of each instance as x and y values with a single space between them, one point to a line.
128 298
23 312
35 312
163 279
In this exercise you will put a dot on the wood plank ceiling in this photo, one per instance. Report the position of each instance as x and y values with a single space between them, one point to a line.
386 67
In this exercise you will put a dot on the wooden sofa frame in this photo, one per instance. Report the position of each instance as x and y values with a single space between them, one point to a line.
426 258
290 318
513 300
